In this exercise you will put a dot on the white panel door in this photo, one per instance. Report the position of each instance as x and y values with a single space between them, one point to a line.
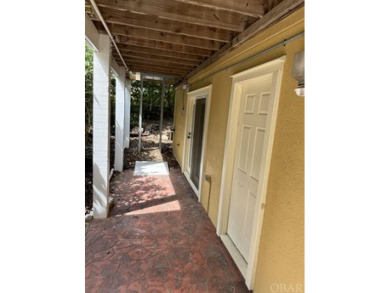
254 108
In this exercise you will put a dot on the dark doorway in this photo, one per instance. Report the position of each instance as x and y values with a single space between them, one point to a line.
197 141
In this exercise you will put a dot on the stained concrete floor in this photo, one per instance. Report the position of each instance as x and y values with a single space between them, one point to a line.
157 238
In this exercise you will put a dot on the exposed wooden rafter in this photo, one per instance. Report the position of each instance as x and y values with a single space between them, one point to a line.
156 66
154 69
159 58
154 22
157 69
160 53
153 35
178 67
182 37
277 13
185 12
253 8
269 4
163 46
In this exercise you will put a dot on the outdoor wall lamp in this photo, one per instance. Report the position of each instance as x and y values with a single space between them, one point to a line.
299 72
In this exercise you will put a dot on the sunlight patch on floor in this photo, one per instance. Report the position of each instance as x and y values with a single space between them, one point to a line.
151 168
160 208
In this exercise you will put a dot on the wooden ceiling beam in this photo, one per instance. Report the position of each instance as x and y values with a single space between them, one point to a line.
183 12
163 46
155 71
269 4
126 49
118 59
152 77
160 24
159 68
174 67
158 58
279 12
178 67
177 71
153 35
138 61
254 8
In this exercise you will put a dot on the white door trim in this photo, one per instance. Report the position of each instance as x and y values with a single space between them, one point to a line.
193 95
276 67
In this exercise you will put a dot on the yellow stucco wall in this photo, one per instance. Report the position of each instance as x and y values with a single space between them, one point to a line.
281 255
179 123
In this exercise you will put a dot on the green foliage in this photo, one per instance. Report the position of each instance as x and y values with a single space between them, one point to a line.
112 103
151 99
88 90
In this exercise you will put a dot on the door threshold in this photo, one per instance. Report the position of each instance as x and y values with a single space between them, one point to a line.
235 254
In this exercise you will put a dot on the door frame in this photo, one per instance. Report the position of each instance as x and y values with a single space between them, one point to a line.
248 269
192 96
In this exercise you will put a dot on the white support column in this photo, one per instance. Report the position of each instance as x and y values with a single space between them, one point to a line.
140 115
127 112
119 118
101 127
161 113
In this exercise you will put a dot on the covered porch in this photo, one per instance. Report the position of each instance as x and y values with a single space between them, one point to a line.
157 238
170 41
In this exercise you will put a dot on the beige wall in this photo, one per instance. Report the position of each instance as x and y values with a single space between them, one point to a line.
281 256
179 123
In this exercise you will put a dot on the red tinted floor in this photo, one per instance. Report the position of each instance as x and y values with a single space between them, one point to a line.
158 238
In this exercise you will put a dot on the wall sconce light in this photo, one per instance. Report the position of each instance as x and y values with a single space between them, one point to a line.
185 86
299 72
